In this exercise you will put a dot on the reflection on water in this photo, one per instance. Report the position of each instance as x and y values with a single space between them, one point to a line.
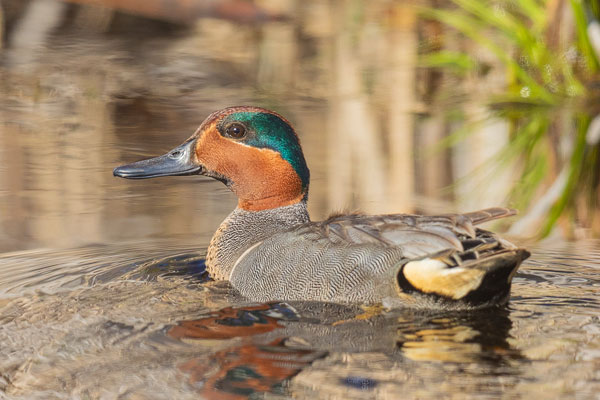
248 369
114 301
254 367
469 337
79 98
53 271
141 318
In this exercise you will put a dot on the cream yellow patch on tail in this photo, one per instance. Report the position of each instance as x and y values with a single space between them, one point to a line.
430 275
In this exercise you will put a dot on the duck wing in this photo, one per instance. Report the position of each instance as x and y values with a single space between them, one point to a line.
415 235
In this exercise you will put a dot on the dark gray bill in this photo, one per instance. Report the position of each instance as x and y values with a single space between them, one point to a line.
176 162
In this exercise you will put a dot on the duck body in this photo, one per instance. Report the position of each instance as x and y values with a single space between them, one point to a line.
400 259
269 249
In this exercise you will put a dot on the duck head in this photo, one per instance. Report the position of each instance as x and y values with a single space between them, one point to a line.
254 151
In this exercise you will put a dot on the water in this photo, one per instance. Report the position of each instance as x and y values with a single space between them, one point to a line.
138 322
102 286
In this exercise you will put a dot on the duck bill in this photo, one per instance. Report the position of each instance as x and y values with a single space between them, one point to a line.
179 161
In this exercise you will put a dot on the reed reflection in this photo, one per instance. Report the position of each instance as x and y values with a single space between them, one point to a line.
76 104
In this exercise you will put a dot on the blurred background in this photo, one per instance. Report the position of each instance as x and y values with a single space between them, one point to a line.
401 106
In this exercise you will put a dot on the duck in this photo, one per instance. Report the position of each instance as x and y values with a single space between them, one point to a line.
269 249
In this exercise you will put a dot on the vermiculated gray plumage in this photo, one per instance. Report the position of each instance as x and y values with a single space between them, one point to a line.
281 255
242 229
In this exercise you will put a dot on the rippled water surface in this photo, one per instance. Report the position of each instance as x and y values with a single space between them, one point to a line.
139 320
102 286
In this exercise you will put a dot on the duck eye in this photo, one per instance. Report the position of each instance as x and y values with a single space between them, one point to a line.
235 130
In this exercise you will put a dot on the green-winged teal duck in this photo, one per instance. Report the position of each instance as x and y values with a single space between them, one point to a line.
269 249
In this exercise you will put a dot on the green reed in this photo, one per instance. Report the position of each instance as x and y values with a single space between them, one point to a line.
547 99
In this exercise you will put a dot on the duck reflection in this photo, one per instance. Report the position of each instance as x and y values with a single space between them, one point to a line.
253 367
231 322
244 370
456 337
275 341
